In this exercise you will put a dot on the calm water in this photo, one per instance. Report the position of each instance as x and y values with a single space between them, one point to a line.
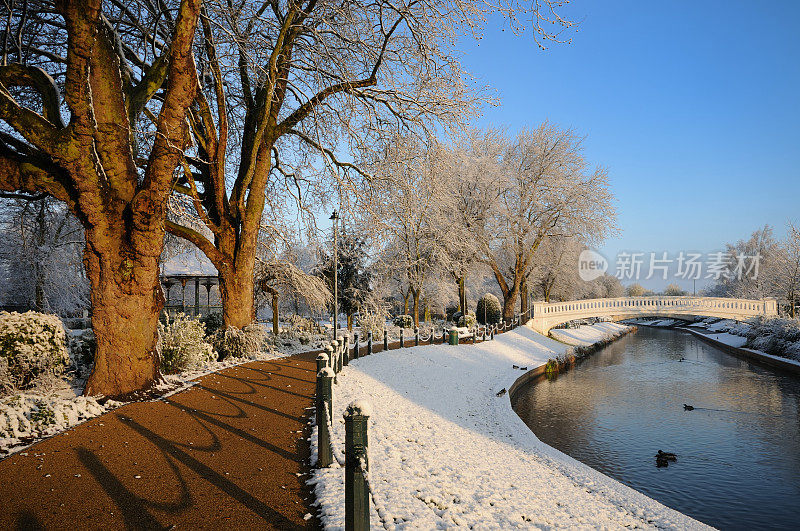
738 452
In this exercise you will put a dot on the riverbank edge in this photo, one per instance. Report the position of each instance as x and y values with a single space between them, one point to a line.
580 353
761 358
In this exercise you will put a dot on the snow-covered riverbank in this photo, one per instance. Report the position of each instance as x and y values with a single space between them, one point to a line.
446 451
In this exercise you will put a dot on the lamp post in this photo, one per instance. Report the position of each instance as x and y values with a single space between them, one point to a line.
335 218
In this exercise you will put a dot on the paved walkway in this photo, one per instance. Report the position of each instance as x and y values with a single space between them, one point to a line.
230 452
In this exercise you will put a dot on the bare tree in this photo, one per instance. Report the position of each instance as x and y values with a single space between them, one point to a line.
545 188
405 210
112 174
469 167
296 96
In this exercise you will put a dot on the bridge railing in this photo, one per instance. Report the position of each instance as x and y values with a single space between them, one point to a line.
743 307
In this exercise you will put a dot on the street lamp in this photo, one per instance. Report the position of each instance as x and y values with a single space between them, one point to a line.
335 218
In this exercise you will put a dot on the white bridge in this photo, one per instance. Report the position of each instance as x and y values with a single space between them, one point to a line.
547 315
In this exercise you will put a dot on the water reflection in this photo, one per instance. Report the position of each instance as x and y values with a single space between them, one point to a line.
738 463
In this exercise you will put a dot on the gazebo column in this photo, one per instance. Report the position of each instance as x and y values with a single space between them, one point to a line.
183 295
196 296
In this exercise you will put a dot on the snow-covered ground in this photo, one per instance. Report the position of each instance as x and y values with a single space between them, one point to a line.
446 451
586 335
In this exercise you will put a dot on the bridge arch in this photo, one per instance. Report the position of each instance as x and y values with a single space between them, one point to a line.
548 315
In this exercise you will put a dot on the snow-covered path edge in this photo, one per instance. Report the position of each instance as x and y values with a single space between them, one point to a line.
445 451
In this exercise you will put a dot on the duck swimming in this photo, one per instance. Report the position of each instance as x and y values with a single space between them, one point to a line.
663 458
687 407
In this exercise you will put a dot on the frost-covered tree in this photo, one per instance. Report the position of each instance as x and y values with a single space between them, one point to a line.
749 267
555 274
41 248
279 276
469 167
546 188
674 290
786 277
405 210
635 290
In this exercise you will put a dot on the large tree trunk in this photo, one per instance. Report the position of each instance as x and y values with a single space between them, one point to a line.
509 304
236 292
126 302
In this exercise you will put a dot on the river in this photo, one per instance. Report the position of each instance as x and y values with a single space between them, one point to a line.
738 451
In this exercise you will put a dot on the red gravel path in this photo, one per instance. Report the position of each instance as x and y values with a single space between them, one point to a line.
231 452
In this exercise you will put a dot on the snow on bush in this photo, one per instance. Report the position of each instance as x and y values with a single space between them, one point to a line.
729 326
488 310
33 346
27 416
183 345
467 321
404 321
298 323
372 322
779 337
233 342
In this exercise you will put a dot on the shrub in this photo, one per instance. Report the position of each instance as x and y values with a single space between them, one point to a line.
450 311
82 345
33 347
182 344
213 322
467 321
372 322
299 326
456 316
488 310
233 342
404 321
779 337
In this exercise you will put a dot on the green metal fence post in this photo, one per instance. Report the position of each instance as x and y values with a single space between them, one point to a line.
385 340
322 361
355 346
416 336
345 350
356 486
402 343
324 407
369 343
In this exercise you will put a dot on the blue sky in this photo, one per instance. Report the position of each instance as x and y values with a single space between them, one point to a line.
692 106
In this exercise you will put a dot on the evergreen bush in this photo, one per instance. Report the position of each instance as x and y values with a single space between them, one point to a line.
404 321
488 306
